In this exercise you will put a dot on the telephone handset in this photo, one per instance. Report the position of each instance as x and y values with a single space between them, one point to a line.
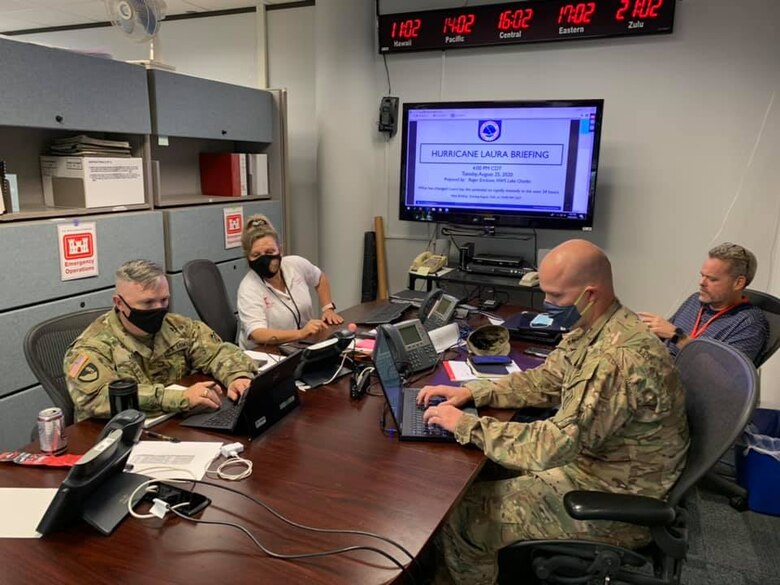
530 278
410 345
437 309
428 263
130 422
322 355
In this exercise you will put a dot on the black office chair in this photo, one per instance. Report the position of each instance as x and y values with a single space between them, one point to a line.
721 390
208 294
44 349
770 305
721 478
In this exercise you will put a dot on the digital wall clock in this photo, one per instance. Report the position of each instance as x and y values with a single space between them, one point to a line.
532 21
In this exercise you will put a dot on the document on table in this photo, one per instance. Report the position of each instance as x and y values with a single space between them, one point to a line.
22 509
166 460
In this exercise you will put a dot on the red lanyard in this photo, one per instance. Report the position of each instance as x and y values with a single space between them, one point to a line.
695 332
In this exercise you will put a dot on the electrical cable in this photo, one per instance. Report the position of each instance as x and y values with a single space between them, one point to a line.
298 525
231 462
143 485
387 71
338 370
291 557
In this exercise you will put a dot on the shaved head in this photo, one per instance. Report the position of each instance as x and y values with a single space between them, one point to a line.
578 268
579 263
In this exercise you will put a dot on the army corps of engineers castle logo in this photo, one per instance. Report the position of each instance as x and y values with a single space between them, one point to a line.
489 130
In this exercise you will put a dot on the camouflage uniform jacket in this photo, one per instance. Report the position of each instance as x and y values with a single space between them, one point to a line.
105 351
621 425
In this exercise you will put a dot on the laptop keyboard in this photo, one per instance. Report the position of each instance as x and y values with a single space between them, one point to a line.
413 416
223 419
385 314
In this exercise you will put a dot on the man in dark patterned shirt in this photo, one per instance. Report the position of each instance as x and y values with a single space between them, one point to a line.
719 310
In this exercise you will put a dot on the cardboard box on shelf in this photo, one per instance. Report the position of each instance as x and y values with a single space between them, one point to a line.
75 181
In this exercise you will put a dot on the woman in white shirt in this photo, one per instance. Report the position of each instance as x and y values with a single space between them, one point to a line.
274 303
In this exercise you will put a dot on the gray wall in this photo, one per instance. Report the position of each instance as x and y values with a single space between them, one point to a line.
291 65
690 144
689 151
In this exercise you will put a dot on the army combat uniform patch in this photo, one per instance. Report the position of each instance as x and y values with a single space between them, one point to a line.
88 373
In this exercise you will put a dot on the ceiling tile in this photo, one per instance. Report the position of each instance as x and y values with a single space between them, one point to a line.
43 18
89 11
11 5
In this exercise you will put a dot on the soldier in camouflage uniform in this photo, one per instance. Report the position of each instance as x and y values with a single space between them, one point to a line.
139 339
621 425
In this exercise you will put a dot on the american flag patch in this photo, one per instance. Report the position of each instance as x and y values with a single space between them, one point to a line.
75 368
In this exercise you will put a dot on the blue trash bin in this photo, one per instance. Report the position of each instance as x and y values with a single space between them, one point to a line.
758 462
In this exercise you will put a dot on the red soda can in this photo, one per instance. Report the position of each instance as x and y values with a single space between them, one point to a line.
51 431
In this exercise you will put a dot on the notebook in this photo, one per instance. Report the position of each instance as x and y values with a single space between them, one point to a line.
402 402
271 395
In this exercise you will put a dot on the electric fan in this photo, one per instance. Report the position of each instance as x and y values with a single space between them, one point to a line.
140 21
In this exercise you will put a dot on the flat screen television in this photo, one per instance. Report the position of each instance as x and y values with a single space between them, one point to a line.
526 164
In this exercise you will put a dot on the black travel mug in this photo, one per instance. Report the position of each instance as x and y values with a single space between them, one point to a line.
122 394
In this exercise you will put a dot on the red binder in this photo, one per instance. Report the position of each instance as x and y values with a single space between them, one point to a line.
220 174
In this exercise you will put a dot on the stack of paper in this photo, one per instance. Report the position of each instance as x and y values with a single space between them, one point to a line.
166 460
83 145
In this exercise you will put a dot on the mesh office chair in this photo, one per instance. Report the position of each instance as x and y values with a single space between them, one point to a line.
44 349
770 305
721 391
208 294
721 478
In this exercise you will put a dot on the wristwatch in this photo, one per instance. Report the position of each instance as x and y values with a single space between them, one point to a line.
329 306
678 334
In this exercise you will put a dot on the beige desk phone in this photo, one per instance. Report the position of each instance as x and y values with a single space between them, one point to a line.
530 279
428 263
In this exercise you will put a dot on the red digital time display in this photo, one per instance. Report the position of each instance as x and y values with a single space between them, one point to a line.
519 19
523 22
638 9
463 24
406 29
581 13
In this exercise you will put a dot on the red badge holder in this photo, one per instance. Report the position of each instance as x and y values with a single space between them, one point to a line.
39 459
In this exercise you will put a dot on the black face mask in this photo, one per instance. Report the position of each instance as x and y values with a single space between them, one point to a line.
262 265
147 320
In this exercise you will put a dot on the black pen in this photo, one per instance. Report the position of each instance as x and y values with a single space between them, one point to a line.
160 436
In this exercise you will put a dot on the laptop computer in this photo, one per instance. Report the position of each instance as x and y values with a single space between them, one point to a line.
270 396
402 402
519 327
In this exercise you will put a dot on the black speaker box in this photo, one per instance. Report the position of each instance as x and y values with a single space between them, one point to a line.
370 282
465 254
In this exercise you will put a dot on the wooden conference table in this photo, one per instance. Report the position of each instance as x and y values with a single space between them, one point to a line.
327 464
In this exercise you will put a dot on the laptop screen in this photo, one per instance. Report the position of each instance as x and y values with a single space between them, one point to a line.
387 372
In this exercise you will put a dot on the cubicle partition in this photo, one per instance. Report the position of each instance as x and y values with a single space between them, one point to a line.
192 233
32 291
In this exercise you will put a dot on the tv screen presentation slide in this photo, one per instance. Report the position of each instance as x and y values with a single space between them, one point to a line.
504 160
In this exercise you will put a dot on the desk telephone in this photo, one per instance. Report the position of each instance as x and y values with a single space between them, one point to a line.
437 309
428 263
530 279
412 348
